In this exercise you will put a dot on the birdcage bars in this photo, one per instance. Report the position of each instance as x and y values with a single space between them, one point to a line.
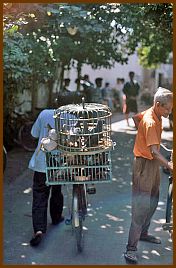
75 169
84 145
83 128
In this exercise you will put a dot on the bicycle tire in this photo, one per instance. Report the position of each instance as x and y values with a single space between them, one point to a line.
25 138
77 217
169 203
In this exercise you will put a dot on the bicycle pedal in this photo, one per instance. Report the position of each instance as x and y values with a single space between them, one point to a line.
91 190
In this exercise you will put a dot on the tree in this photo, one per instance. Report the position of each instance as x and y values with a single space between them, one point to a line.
40 38
149 28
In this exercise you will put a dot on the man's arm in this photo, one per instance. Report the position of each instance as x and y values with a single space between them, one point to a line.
163 161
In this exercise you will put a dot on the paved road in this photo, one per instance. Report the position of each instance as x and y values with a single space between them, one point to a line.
106 226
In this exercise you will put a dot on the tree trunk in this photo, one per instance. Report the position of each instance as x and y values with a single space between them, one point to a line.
50 95
34 93
62 76
56 81
79 67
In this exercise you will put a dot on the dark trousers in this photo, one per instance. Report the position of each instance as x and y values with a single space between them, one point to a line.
41 194
145 196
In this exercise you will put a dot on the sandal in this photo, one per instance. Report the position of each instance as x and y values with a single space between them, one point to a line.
130 256
151 239
35 241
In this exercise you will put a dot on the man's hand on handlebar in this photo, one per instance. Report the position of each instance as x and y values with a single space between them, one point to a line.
170 166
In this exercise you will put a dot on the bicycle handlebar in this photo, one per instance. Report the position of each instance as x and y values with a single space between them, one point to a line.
165 148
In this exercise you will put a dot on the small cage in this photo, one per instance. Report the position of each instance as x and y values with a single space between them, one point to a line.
83 128
63 168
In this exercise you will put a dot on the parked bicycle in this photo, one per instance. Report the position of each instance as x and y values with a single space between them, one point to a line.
83 157
18 131
168 225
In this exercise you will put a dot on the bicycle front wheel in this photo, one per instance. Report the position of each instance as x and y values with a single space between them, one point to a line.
77 216
169 204
25 138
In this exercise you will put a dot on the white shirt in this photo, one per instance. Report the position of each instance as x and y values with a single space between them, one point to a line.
40 130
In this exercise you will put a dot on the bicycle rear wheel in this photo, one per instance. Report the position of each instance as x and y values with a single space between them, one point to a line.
78 211
25 138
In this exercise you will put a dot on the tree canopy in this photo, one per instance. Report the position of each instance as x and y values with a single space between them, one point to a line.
40 39
39 36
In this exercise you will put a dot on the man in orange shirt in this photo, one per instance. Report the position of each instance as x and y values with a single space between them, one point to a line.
146 175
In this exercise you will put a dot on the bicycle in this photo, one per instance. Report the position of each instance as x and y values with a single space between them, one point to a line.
83 158
18 131
67 171
78 213
168 225
25 139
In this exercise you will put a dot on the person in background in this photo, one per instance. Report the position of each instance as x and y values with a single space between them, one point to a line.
88 87
41 191
107 95
78 85
131 91
97 91
118 93
65 89
146 173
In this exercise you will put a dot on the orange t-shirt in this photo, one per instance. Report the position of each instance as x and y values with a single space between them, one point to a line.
149 133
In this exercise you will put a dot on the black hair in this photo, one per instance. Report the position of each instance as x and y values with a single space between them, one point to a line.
131 73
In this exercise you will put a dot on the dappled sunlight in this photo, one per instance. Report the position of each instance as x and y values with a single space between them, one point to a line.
28 190
105 226
121 126
154 252
127 165
159 221
120 230
170 240
168 248
161 203
90 214
158 229
161 209
25 244
146 254
114 218
145 257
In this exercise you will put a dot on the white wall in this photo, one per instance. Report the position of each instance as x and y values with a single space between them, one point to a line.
109 75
